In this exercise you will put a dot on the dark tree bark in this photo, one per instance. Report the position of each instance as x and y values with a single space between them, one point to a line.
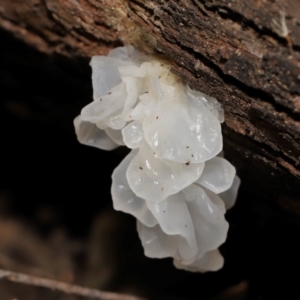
244 53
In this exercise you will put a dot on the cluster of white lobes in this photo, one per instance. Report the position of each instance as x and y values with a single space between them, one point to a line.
173 180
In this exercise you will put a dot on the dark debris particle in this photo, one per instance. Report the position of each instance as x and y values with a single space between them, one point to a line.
141 168
187 163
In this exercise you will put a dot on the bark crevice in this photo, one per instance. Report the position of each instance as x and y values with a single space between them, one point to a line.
227 49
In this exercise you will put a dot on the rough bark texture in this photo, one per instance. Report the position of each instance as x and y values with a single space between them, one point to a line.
244 53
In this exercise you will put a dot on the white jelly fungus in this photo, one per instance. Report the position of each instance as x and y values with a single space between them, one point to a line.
172 181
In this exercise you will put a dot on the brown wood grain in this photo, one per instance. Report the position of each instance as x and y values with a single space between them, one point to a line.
236 51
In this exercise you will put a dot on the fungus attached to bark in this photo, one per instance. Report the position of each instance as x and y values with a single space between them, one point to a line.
172 181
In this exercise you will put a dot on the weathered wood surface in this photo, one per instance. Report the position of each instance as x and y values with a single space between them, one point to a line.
244 53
